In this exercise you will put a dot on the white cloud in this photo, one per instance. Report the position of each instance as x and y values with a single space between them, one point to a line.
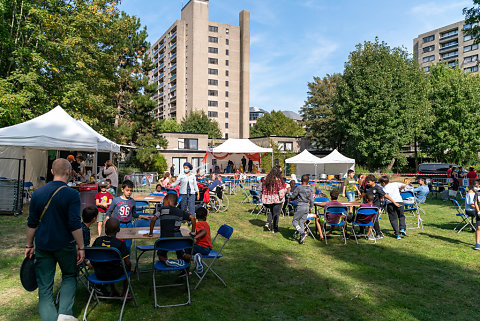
431 9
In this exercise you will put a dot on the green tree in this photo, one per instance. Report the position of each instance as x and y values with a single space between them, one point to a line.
276 123
198 122
455 96
317 113
382 102
472 18
170 125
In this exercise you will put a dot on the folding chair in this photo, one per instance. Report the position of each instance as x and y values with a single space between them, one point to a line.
225 232
321 199
257 202
142 248
171 244
107 254
306 226
142 207
465 218
246 195
412 209
336 210
364 211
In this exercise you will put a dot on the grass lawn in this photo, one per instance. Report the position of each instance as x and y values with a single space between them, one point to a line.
433 274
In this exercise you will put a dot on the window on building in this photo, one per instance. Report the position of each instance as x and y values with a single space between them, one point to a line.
213 114
285 146
178 162
471 69
213 28
213 39
227 73
187 143
226 135
449 44
226 115
429 48
226 125
470 48
428 38
213 92
212 103
226 62
427 68
227 52
428 58
452 64
226 94
213 61
469 59
197 162
227 42
213 50
227 31
226 104
212 71
469 26
467 37
450 54
448 34
213 82
226 83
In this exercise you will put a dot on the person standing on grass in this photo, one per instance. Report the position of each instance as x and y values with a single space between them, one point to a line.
188 189
110 172
303 194
350 186
55 226
394 206
273 196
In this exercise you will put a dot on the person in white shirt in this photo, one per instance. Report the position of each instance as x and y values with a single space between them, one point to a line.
188 189
395 208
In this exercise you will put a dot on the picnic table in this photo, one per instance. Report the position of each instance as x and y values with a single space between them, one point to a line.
149 198
349 204
129 233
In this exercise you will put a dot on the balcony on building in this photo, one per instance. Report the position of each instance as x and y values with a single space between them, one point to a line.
449 46
448 35
173 45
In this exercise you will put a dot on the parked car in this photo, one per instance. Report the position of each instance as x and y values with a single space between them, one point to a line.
427 169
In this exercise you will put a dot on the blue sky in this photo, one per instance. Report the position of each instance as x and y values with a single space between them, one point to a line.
294 40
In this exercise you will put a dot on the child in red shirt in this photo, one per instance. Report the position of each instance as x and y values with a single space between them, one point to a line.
203 240
103 199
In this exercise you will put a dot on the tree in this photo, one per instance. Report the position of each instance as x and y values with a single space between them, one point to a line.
472 18
454 136
382 104
276 123
317 113
198 122
170 125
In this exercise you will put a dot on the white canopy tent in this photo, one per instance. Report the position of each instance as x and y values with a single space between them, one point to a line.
336 164
307 163
54 130
234 149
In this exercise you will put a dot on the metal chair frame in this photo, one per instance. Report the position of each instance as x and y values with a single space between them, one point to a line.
368 211
336 209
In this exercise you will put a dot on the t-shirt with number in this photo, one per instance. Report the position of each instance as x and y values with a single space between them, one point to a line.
122 209
349 184
206 240
103 198
170 220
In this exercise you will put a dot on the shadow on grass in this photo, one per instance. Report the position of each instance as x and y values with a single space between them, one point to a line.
446 239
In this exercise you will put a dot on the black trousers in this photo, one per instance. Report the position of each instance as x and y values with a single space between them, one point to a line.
397 217
273 215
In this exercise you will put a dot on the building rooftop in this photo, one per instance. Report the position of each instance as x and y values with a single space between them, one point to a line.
292 115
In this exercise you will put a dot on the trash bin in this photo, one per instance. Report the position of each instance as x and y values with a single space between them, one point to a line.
87 195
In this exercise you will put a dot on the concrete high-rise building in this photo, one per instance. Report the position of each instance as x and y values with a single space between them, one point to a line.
204 65
447 44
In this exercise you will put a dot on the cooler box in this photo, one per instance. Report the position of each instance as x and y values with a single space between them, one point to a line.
87 195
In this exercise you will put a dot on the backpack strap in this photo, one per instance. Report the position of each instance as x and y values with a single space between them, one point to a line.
48 203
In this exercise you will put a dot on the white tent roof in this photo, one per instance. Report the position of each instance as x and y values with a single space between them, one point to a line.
103 142
336 158
240 146
304 157
54 130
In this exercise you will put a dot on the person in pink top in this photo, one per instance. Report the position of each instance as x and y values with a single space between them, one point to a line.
273 197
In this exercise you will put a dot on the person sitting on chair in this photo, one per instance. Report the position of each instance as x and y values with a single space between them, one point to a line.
333 218
421 191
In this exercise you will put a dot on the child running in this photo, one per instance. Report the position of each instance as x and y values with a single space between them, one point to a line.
303 194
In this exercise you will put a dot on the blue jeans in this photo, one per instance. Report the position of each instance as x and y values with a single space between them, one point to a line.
200 249
188 202
45 265
128 243
350 196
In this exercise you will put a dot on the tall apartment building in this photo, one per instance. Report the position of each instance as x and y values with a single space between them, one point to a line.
204 65
447 44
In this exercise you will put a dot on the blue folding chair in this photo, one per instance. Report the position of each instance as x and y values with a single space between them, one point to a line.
171 244
339 210
321 199
412 209
142 207
224 232
364 211
142 248
246 195
107 254
257 202
465 218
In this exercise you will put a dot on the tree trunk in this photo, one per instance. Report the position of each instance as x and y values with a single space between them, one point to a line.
415 151
390 166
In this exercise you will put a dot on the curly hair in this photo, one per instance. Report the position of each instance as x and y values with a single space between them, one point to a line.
272 178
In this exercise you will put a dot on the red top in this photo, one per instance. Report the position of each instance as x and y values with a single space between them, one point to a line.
206 240
103 197
472 176
449 173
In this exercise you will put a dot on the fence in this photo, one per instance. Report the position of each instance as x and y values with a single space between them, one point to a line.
143 182
12 185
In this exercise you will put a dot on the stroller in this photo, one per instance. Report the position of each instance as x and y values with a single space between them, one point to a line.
204 196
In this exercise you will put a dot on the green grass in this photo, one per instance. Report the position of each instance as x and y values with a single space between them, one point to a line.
429 275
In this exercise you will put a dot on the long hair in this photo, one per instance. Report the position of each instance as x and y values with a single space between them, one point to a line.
272 178
109 164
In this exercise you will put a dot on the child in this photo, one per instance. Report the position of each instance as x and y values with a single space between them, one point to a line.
123 209
112 270
372 188
110 189
158 188
350 186
203 241
89 216
103 199
171 218
333 218
365 219
304 197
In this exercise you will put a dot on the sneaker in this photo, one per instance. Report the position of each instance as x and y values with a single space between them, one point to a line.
65 317
303 237
370 237
175 263
379 236
197 258
477 246
266 227
399 237
403 232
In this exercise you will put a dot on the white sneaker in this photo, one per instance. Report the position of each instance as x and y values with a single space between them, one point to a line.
64 317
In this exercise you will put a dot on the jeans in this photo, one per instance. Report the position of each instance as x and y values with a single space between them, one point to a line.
350 196
128 243
300 217
396 216
188 202
45 265
273 215
200 249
